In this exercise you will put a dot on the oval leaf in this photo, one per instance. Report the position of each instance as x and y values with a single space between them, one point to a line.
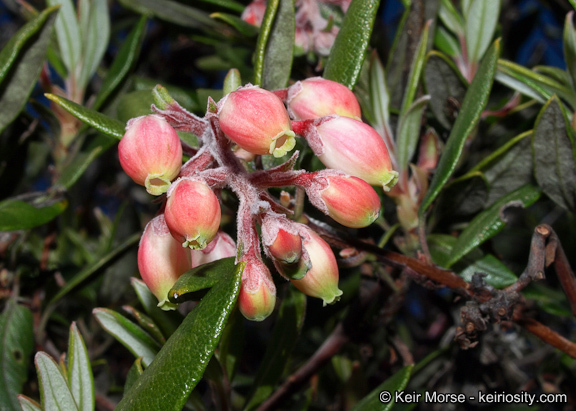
20 215
553 150
167 382
489 222
469 116
15 349
54 390
348 52
481 20
68 34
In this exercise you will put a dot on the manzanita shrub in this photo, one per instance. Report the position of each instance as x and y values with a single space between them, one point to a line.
237 205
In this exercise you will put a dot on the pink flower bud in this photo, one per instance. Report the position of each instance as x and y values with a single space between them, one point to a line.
151 153
192 212
161 260
353 147
222 246
257 293
281 239
254 13
317 97
257 121
348 200
321 281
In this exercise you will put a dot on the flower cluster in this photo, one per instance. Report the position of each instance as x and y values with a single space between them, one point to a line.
186 233
317 22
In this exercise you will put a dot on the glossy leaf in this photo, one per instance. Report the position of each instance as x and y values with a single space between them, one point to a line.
20 215
469 116
490 222
396 382
28 404
16 346
172 12
409 132
21 62
123 63
243 27
80 376
188 350
481 19
286 331
99 121
446 87
262 42
280 48
200 278
348 52
554 160
95 30
54 390
570 48
68 34
133 337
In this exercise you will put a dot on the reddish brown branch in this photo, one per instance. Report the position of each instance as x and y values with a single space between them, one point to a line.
563 269
546 334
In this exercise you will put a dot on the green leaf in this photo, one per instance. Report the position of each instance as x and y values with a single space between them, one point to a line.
173 12
20 215
465 195
146 323
348 52
491 221
469 116
286 331
262 42
68 34
167 320
532 83
99 121
243 27
481 19
80 376
231 350
280 48
123 63
396 382
134 338
199 278
409 132
446 43
16 346
95 29
570 48
54 391
232 81
188 351
415 71
451 18
28 404
21 61
446 87
553 150
229 4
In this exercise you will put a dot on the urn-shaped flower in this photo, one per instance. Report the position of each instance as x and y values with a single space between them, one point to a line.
151 153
